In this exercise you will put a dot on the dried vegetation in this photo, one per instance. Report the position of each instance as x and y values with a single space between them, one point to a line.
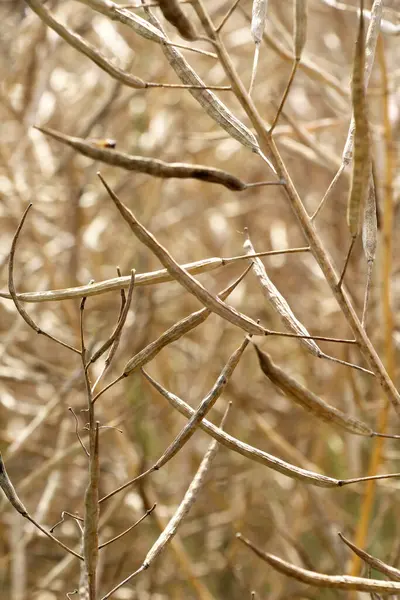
199 332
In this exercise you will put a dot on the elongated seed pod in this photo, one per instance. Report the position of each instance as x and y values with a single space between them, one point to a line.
361 162
320 580
370 47
9 490
175 15
300 27
279 303
370 223
308 400
258 19
151 166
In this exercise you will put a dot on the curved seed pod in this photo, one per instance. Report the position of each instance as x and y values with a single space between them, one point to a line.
175 15
373 562
309 401
9 490
320 580
151 166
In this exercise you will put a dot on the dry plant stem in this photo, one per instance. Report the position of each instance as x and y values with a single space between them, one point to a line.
299 37
267 144
116 334
77 431
340 582
152 278
284 97
375 563
331 187
309 401
76 518
310 68
84 47
181 275
190 428
153 166
119 536
13 293
228 13
387 249
268 460
14 500
91 514
181 512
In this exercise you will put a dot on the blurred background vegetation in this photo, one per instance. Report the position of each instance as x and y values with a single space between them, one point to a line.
74 234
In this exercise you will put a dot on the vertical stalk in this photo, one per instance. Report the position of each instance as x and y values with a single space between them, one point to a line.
387 244
91 510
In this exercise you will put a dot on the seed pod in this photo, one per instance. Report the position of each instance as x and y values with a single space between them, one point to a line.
300 27
258 19
309 401
175 15
361 163
279 303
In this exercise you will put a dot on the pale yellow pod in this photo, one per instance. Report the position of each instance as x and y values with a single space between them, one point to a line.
300 27
258 19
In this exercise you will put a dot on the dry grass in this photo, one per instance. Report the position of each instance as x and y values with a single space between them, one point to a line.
74 233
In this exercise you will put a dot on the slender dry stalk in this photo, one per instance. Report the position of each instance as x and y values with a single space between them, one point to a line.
14 500
13 293
299 41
